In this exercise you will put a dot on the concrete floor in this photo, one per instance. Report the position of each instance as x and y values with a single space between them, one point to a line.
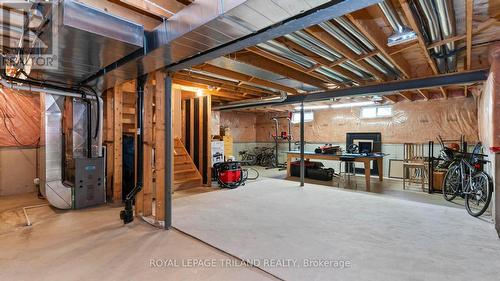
383 237
389 187
265 219
93 244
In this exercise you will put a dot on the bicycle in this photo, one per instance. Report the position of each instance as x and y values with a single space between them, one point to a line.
466 178
247 158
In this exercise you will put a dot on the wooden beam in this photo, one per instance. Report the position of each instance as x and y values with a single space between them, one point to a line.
407 95
421 42
370 29
391 98
244 78
333 43
120 11
290 64
117 143
221 94
147 190
468 26
443 92
476 30
236 87
160 8
269 65
424 94
159 140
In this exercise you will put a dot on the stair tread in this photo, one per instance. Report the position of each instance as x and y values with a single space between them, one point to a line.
184 171
187 180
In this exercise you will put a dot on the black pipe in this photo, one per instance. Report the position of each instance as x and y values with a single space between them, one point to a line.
127 215
89 129
302 144
276 145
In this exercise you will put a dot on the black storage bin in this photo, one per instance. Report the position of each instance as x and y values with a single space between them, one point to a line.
320 174
295 167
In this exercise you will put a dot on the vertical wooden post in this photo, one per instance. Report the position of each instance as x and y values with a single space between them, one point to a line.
201 123
117 145
147 189
139 198
160 145
209 140
191 129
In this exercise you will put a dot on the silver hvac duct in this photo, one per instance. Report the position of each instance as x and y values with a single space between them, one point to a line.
347 25
402 33
434 32
251 102
446 18
278 49
199 27
352 45
51 170
303 39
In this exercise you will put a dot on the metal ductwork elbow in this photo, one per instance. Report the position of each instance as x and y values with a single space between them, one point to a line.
402 34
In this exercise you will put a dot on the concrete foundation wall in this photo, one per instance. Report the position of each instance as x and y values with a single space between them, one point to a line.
17 170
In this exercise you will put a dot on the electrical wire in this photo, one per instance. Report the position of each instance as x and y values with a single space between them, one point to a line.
458 50
76 88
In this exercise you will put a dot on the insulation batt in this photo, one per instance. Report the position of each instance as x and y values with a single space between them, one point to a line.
419 122
19 118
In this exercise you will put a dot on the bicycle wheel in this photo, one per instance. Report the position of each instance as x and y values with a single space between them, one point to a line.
251 160
452 182
478 200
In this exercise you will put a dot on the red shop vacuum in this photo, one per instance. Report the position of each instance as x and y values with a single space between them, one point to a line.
230 174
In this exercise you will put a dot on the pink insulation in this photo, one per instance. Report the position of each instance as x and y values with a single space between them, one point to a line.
19 118
418 121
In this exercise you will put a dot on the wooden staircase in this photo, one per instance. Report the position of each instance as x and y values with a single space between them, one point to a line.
186 175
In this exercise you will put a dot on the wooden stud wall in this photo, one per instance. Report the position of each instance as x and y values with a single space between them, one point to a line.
198 125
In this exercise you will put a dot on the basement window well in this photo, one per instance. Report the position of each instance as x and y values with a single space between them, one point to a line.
308 117
376 112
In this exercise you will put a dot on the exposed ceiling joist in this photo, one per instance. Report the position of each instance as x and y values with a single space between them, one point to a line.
149 23
232 88
240 85
269 65
407 96
288 63
424 94
443 92
319 59
391 98
379 39
482 26
421 42
160 8
220 94
244 78
331 9
468 27
333 43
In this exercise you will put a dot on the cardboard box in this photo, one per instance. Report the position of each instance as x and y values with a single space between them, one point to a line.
438 180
